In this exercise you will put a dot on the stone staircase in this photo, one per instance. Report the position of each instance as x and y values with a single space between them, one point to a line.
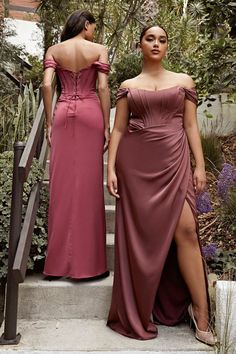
68 316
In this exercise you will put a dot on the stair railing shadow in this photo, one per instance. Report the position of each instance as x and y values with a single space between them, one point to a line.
20 235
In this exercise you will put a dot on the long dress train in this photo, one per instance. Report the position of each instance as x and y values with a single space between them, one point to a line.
154 180
76 235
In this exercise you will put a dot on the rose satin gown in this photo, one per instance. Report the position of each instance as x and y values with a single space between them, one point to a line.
154 180
76 230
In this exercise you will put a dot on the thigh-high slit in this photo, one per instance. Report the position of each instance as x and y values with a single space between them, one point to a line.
154 180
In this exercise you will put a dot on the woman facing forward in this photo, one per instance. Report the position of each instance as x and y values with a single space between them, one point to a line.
77 132
158 266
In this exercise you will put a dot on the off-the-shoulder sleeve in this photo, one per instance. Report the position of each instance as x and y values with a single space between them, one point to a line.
102 67
122 92
49 63
191 94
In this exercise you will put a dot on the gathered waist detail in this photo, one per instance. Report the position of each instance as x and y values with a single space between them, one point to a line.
138 125
76 96
71 99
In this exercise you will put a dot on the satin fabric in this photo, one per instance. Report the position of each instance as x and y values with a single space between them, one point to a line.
154 180
76 234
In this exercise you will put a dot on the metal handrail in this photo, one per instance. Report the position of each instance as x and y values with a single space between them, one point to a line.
21 236
34 137
23 248
30 148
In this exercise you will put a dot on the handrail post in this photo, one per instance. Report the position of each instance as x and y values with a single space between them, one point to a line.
10 336
40 143
41 138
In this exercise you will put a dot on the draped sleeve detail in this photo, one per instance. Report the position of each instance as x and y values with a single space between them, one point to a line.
122 92
49 63
102 67
191 94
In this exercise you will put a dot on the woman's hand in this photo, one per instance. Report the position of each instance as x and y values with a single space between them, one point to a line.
107 139
199 179
112 185
49 134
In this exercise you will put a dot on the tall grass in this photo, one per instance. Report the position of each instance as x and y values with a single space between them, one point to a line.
228 210
16 119
212 152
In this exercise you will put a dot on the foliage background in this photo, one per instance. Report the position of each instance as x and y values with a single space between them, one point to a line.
202 43
201 36
39 239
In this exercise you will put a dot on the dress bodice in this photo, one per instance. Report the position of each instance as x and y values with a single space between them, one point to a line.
151 108
78 84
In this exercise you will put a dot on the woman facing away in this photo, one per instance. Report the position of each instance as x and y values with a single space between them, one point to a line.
78 133
159 273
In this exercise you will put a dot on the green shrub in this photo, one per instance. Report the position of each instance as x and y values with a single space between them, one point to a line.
128 67
35 75
223 263
40 230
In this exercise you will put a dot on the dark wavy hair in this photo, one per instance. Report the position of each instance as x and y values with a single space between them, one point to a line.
145 29
75 24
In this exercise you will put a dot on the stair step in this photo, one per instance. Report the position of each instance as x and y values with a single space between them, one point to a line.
110 251
110 211
64 298
92 336
109 199
110 218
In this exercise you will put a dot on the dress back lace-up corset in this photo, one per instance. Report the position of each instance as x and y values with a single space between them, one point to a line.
76 235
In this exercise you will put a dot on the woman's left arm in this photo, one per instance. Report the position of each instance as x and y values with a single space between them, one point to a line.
193 135
47 95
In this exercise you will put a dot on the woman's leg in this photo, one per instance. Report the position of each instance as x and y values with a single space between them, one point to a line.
191 266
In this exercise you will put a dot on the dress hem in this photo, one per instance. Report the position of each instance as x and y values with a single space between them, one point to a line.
75 277
130 336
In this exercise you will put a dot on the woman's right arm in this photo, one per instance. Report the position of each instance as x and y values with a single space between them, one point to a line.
47 95
120 125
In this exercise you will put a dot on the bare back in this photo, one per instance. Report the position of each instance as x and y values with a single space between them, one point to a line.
76 54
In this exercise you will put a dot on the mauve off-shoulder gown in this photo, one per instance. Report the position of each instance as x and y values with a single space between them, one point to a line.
154 180
76 230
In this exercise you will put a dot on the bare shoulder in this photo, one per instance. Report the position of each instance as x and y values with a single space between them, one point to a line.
96 47
100 47
185 80
51 51
131 83
101 51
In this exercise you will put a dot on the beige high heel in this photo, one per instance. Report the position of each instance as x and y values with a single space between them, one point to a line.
206 337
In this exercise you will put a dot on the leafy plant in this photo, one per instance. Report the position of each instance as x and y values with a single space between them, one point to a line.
35 75
128 67
220 261
194 50
40 229
16 119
